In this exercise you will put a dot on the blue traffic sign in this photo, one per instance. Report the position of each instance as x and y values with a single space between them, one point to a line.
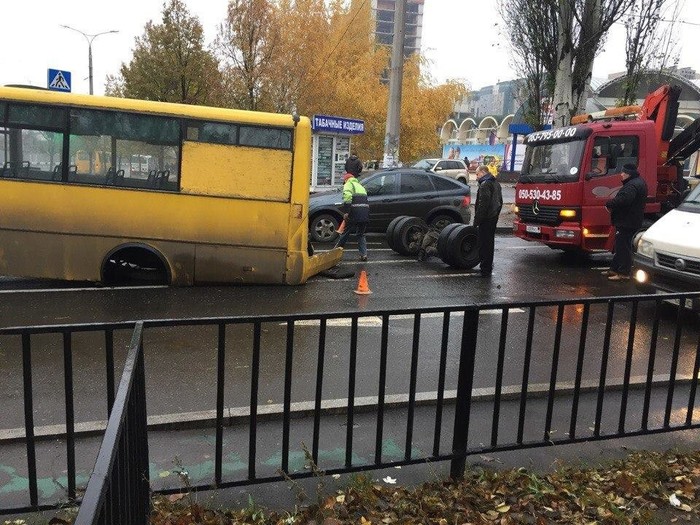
58 80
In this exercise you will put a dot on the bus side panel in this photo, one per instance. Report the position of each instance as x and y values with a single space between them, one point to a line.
78 257
239 264
236 171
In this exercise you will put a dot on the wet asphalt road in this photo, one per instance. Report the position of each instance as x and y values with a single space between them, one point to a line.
523 271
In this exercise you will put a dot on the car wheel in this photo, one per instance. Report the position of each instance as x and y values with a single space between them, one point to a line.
408 234
441 220
324 227
442 239
390 230
463 248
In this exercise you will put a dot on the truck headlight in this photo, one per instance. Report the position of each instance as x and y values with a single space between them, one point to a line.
645 248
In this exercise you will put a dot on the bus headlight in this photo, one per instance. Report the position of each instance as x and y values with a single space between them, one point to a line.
645 248
567 214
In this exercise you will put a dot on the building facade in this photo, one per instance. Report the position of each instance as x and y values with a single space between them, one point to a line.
384 11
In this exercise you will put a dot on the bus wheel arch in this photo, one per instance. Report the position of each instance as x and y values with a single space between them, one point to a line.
134 264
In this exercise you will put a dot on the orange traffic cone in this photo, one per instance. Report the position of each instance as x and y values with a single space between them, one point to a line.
362 286
341 228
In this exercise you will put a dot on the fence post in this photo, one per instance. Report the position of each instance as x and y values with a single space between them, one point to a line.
465 381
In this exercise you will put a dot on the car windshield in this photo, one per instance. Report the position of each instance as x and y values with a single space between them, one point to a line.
425 164
692 201
554 162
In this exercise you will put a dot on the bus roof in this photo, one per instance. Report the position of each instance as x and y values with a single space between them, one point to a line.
22 94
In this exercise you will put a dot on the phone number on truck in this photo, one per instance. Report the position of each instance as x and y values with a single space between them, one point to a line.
545 195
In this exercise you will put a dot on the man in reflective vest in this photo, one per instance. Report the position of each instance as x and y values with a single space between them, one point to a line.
356 215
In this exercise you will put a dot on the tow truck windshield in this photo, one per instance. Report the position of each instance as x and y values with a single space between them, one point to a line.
553 162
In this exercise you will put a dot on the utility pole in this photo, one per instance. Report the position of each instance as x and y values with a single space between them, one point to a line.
89 39
393 116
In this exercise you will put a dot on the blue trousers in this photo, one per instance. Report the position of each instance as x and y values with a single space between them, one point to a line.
358 229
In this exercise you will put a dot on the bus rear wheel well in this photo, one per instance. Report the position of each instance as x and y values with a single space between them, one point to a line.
135 264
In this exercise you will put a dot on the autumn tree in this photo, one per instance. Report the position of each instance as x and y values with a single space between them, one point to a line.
170 62
246 43
648 45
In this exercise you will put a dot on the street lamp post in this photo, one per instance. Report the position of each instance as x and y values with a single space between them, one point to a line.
89 39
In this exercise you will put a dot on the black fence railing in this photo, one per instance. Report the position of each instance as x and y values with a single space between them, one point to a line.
367 390
119 491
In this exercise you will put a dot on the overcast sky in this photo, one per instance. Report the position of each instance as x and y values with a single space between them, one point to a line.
460 37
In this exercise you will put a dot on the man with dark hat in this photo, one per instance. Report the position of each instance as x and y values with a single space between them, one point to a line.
626 214
356 213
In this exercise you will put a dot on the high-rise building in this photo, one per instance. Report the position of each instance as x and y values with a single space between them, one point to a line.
384 14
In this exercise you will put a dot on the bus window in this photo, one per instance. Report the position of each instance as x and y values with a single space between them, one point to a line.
132 145
31 145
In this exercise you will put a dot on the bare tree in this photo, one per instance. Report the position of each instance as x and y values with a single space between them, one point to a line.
581 28
650 45
532 36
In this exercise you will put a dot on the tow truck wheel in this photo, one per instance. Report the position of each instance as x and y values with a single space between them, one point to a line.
390 230
442 239
408 234
463 248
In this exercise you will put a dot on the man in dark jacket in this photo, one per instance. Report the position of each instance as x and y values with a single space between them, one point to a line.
489 202
356 213
353 164
626 214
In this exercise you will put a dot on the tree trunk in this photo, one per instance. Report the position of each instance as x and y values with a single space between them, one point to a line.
562 101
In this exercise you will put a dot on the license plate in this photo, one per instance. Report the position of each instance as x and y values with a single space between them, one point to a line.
532 229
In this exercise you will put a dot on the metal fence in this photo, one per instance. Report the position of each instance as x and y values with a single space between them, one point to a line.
119 491
367 390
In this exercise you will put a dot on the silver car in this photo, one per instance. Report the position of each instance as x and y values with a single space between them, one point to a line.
454 168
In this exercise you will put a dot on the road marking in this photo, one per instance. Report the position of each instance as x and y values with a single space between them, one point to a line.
375 321
95 289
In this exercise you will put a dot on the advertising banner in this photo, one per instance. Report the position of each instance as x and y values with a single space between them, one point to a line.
476 153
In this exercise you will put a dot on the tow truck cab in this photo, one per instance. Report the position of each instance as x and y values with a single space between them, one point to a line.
570 173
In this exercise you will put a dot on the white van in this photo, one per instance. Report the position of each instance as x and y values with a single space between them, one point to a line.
667 256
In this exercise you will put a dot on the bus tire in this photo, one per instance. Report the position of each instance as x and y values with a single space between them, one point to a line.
463 248
408 234
390 230
442 239
324 227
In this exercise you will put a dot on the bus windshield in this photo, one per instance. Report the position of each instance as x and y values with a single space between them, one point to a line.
553 162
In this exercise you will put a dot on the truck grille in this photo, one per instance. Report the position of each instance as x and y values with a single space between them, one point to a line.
665 260
546 215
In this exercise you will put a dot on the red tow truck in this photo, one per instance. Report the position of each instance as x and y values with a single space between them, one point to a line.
569 173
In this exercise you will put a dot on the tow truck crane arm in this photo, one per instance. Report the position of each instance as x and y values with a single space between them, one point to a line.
661 106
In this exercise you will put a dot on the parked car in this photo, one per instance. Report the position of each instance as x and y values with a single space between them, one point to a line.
404 191
454 168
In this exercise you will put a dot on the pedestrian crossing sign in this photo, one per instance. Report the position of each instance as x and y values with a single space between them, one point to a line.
58 80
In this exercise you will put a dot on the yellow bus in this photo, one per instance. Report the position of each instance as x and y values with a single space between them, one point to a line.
224 197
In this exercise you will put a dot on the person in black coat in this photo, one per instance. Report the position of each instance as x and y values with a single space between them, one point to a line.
489 202
626 214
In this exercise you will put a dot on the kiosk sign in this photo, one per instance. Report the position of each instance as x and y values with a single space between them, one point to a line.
344 126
